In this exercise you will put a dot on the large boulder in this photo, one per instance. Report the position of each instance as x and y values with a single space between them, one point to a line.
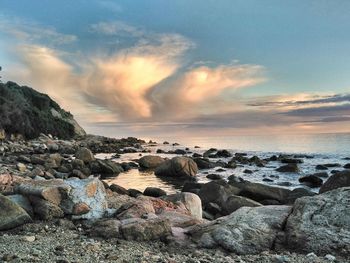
288 168
11 214
106 168
320 224
178 167
150 161
249 230
85 155
81 199
337 180
8 183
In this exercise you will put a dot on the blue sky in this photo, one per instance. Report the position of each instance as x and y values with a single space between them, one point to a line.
249 50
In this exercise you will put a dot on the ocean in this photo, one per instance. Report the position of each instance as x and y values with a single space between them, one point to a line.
320 148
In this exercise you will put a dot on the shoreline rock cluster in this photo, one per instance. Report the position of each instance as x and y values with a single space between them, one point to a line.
45 181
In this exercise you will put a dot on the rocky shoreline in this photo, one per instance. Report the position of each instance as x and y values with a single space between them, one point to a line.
57 207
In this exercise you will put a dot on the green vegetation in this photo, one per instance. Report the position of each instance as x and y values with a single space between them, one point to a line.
28 112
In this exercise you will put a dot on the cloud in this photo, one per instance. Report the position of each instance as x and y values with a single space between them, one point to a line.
115 28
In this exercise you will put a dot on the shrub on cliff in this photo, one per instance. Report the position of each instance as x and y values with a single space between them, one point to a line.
27 112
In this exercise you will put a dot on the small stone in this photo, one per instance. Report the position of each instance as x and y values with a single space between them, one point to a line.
330 257
311 255
28 238
281 259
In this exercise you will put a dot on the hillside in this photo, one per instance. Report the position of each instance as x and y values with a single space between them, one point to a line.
27 112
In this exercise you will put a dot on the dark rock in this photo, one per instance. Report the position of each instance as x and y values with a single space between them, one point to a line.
288 168
347 166
223 154
311 181
214 176
106 228
118 189
177 167
297 193
321 167
234 202
211 151
180 152
247 171
150 161
191 187
290 160
154 192
341 179
11 214
134 192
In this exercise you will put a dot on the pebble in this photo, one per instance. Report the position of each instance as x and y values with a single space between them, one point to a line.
330 257
311 255
281 259
28 238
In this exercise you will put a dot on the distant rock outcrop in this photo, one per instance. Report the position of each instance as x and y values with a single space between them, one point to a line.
26 112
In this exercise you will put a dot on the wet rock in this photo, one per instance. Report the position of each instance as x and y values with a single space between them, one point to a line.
118 189
154 192
320 224
134 192
177 167
341 179
223 154
347 166
191 187
106 168
321 174
288 168
311 181
246 226
291 160
247 171
321 167
204 163
209 152
214 176
11 214
150 161
180 152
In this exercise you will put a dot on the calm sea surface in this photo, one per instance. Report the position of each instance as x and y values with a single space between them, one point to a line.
323 148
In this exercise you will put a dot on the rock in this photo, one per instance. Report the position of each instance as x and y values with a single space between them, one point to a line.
235 202
337 180
134 192
311 181
214 176
23 202
321 167
154 192
145 230
297 193
291 160
247 171
259 192
106 228
21 167
150 161
204 163
180 152
177 167
223 154
11 214
288 168
28 238
44 209
50 190
214 192
249 230
136 208
191 187
320 224
89 194
85 155
347 166
8 183
118 189
330 257
209 152
106 168
189 201
321 174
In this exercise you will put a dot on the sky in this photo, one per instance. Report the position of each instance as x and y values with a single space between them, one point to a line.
185 67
